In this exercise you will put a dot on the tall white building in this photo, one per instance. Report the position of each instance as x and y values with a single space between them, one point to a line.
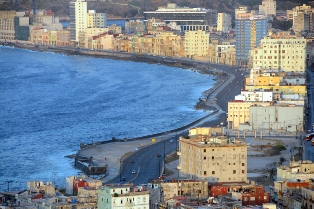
268 7
78 18
223 22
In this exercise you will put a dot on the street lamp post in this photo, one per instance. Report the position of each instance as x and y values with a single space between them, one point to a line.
121 162
176 141
158 156
164 157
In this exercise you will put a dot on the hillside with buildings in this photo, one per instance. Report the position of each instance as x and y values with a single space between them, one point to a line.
135 8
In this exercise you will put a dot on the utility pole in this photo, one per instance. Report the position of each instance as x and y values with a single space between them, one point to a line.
9 182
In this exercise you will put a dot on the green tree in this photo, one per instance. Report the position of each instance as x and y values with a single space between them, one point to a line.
282 160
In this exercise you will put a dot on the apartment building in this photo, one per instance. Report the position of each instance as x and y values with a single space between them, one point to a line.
63 38
96 20
46 19
212 158
283 52
196 44
122 196
85 36
224 54
187 18
302 17
78 18
134 27
249 29
268 7
39 36
102 41
7 24
167 43
224 22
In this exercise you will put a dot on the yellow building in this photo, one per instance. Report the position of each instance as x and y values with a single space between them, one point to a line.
283 89
39 36
52 37
168 44
206 131
85 36
239 112
96 20
102 41
268 7
223 22
286 54
196 44
228 56
7 25
215 159
122 43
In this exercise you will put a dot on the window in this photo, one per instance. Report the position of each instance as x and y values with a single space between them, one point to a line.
204 150
213 157
204 172
213 172
234 171
243 164
204 158
243 171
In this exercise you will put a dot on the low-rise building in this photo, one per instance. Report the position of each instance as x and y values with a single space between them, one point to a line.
297 171
122 196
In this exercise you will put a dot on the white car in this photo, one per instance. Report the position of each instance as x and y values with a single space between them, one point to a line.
133 172
171 140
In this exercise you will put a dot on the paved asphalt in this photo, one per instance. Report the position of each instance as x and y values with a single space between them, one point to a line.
307 147
145 161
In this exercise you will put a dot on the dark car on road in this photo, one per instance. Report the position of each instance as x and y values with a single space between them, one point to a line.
123 179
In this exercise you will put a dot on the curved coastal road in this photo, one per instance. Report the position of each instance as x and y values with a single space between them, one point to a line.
146 163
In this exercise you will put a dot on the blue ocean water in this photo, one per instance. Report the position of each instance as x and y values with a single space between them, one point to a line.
50 103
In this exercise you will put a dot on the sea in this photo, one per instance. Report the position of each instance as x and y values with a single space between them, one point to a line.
52 102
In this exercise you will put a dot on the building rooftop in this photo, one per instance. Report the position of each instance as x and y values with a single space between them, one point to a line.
213 141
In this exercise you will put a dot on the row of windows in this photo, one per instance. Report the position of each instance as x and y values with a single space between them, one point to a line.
234 172
240 107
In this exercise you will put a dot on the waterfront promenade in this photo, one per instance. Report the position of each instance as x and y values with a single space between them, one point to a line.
111 153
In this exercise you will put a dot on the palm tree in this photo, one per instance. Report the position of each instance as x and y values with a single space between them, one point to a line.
282 160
